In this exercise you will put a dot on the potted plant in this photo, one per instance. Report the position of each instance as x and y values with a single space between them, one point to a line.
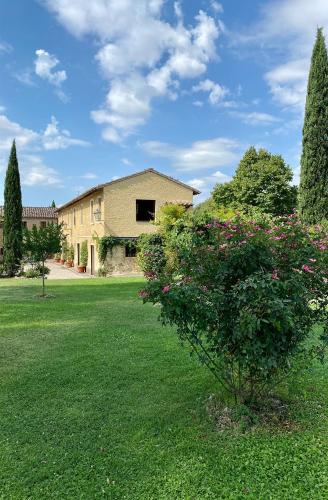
57 257
83 257
64 252
70 256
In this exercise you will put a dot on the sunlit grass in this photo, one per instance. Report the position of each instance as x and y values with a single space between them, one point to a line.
98 400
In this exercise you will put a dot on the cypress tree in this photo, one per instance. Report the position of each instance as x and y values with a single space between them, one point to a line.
313 195
12 221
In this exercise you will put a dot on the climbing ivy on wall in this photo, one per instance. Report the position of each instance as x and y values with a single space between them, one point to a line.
107 243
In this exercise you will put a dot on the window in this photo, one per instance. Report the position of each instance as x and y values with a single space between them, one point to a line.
91 212
24 223
145 210
74 217
130 251
43 223
81 214
1 251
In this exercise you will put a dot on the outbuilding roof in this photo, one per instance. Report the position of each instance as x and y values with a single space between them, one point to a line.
37 212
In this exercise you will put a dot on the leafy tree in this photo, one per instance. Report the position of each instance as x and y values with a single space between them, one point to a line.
12 224
40 243
313 198
169 214
261 183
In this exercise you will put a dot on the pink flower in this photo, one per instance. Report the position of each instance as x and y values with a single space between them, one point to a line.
143 294
313 260
150 275
322 247
166 289
307 269
274 274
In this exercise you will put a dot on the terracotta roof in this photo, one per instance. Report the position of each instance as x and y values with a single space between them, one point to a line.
101 186
37 212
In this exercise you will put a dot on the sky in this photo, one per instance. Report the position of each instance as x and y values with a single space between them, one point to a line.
95 90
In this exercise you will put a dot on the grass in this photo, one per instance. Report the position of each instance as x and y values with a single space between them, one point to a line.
98 400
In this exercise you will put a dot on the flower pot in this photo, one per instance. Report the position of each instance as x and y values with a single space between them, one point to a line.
81 269
57 261
62 261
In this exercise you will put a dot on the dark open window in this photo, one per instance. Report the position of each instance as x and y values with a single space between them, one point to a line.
43 224
145 210
130 251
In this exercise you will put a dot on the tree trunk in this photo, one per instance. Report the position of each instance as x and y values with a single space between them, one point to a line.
43 287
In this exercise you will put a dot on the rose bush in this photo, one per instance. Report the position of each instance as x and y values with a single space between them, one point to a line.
244 294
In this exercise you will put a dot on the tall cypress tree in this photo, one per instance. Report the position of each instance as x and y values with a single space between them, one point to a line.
12 221
313 194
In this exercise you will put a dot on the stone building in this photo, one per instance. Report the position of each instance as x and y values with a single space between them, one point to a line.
32 216
124 209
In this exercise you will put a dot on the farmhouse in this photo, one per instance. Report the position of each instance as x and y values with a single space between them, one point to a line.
124 209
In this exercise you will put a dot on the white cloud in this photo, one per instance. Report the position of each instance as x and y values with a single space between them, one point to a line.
288 82
216 91
5 47
89 175
25 77
287 28
216 6
127 162
142 55
11 130
255 118
35 173
206 183
45 64
201 155
51 138
54 138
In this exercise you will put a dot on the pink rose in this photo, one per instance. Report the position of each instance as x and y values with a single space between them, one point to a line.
307 269
166 289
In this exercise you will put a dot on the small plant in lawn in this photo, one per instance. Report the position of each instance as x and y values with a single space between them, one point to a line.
244 294
39 243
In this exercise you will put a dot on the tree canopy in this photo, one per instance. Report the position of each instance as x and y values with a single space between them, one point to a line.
12 221
313 197
261 182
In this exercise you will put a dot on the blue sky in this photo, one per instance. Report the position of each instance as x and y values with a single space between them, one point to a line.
96 90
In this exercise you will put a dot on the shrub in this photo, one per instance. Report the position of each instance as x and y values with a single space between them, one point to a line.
151 255
65 250
37 271
84 254
245 296
70 253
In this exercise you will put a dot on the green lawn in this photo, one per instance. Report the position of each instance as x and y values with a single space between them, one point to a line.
98 400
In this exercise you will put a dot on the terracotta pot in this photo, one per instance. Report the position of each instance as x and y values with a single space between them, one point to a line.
57 260
80 269
62 261
69 263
